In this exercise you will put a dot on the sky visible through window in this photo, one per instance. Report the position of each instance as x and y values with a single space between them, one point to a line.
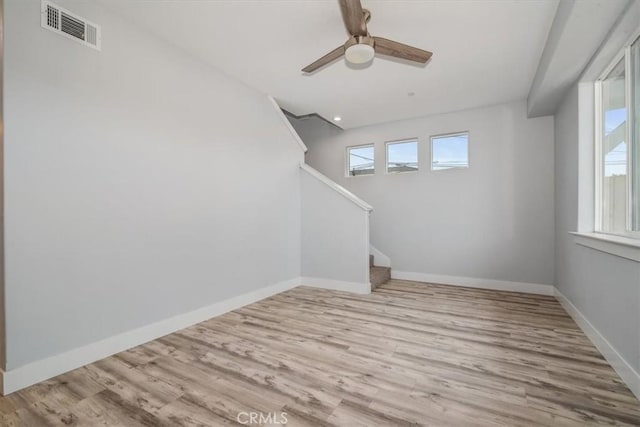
450 152
361 160
402 156
615 161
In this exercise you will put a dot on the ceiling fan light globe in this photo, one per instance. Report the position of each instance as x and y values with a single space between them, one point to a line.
359 53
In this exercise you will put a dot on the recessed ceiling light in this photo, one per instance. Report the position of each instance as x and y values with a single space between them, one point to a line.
337 118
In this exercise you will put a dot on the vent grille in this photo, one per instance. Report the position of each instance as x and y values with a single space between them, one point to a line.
70 25
91 34
52 17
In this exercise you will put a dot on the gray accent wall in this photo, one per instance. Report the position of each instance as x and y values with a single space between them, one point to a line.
605 288
140 184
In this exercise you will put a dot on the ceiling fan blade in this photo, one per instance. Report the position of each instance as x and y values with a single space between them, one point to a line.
329 57
353 17
399 50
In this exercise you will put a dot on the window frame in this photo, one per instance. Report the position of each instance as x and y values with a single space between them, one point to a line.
623 55
401 141
347 162
442 135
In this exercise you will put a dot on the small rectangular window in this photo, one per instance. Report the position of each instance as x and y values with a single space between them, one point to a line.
450 151
402 156
360 160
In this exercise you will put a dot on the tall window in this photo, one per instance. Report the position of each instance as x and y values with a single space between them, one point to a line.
402 156
618 146
450 151
634 54
360 160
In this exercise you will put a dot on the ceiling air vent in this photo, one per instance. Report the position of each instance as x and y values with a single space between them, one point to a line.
70 25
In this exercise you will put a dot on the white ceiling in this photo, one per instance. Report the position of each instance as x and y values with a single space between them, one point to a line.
578 31
485 51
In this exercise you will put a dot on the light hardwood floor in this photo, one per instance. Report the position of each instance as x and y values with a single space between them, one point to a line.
408 354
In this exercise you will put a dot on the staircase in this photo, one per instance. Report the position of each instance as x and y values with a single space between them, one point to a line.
378 275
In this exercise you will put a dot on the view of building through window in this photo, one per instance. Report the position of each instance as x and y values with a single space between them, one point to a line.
450 151
402 156
614 150
617 176
361 160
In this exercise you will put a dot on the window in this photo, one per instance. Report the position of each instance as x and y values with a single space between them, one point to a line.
634 59
402 156
450 151
360 160
618 146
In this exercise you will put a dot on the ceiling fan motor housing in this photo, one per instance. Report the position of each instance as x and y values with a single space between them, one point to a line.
359 49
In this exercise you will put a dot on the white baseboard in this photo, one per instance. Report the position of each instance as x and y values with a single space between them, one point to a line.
32 373
338 285
472 282
621 366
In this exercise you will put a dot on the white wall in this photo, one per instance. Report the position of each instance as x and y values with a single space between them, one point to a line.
601 290
491 221
335 234
603 287
140 184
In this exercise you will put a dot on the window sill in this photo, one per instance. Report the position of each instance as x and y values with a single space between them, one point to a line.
623 247
400 172
360 175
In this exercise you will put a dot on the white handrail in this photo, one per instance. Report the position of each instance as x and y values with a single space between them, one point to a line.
336 187
287 123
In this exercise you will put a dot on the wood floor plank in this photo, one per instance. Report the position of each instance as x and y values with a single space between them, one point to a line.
407 354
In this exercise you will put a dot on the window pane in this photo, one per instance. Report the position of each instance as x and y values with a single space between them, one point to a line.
361 160
450 151
614 151
635 137
402 156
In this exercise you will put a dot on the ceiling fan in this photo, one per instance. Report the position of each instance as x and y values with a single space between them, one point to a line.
361 46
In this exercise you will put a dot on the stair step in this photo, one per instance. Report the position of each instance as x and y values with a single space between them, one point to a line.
379 275
370 260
